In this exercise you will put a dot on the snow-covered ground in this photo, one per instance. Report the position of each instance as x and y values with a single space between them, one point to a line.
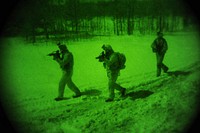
164 104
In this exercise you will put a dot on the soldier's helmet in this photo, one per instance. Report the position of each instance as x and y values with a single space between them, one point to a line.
107 47
62 47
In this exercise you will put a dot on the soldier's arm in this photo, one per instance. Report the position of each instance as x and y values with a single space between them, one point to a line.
153 46
113 59
64 61
165 46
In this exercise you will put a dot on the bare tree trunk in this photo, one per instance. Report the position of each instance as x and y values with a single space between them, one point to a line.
129 16
117 25
121 25
128 26
114 24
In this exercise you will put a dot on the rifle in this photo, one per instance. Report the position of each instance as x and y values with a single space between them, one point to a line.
55 54
101 57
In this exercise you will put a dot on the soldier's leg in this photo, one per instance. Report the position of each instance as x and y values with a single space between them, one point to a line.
62 84
159 64
164 67
73 87
111 83
111 89
117 86
120 88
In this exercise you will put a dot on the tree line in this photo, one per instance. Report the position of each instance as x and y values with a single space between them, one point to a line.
76 18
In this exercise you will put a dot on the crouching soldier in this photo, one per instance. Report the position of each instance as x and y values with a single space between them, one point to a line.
159 46
111 61
66 62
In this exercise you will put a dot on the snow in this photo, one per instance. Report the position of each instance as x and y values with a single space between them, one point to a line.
164 104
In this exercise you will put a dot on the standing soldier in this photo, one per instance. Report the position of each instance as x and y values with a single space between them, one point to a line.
66 63
159 46
112 64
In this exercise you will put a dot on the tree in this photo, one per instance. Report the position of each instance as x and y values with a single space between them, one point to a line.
73 14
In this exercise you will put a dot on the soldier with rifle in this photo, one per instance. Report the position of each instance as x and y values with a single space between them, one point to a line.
66 61
113 62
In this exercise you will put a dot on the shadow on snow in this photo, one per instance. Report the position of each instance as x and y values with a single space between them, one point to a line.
178 73
92 92
156 83
139 94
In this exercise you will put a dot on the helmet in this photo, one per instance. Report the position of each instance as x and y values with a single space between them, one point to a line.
107 47
62 47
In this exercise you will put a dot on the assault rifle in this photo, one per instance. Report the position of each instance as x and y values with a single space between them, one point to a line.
55 54
101 57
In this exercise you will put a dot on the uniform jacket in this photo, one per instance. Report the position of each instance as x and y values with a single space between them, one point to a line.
66 62
159 45
112 63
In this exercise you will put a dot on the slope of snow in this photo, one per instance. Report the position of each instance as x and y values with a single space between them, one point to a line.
164 104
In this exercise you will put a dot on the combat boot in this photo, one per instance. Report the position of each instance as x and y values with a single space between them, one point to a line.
58 98
77 95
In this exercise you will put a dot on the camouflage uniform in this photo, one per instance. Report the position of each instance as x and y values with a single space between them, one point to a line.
66 63
111 65
159 46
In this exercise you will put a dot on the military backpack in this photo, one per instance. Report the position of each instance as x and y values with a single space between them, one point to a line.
122 60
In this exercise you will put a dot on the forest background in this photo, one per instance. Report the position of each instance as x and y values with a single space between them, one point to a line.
76 19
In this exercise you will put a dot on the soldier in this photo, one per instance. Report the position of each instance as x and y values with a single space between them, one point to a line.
111 63
66 63
159 46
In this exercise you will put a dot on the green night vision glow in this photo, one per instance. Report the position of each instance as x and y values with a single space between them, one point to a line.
76 89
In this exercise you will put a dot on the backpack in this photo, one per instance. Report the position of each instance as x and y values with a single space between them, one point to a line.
122 60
